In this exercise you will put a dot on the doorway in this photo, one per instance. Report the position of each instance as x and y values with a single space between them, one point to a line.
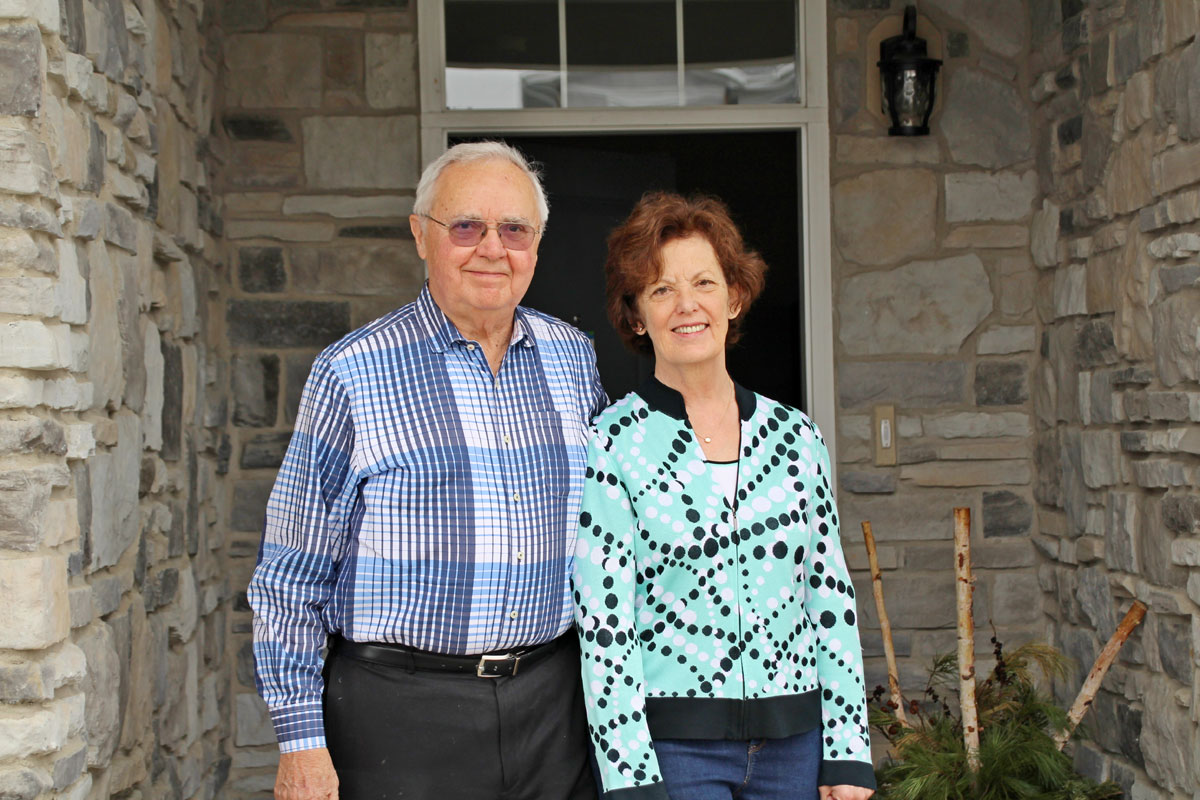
593 182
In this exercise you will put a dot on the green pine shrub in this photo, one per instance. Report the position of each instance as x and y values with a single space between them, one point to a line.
1018 759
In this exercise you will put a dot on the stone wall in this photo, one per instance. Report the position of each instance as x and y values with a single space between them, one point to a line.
113 600
934 300
319 123
1116 393
1023 286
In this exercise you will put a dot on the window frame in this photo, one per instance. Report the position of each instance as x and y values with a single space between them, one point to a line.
809 117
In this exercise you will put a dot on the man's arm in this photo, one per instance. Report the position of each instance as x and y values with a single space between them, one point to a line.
293 581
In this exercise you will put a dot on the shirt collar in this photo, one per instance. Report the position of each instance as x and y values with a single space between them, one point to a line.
661 397
442 333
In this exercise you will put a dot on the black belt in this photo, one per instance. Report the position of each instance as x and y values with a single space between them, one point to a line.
488 665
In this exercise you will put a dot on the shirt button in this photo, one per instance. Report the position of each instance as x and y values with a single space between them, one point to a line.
516 497
520 555
507 440
512 614
471 346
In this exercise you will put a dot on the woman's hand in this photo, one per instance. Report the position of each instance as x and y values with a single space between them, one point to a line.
845 792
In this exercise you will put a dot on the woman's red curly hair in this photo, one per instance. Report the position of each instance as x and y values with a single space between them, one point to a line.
635 257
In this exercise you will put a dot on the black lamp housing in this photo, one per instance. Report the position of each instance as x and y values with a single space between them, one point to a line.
907 75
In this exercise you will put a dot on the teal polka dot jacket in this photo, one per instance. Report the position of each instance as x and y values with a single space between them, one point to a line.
705 619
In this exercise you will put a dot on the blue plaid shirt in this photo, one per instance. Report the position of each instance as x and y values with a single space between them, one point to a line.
422 501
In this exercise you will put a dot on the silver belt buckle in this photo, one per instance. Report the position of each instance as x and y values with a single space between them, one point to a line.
481 666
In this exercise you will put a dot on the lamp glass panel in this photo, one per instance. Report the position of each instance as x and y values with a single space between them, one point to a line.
621 53
502 54
740 51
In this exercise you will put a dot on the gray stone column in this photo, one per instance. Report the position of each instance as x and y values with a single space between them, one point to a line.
113 604
320 124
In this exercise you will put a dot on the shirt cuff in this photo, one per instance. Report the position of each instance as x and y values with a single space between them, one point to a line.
299 727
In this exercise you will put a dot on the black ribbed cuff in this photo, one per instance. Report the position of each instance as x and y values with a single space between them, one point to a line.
847 773
650 791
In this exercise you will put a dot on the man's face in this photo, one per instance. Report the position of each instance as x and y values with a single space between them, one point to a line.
473 285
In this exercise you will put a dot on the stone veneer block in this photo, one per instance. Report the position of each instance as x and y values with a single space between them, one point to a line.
361 152
1003 196
978 425
272 323
253 202
869 482
1044 235
885 216
999 24
1128 184
255 390
29 344
1100 458
1178 245
260 269
969 473
22 215
257 127
1016 599
926 514
898 150
922 307
271 70
374 270
1003 340
282 231
1006 514
34 609
25 164
1070 291
988 236
349 206
265 451
253 721
114 497
391 70
20 70
985 121
1177 167
101 685
249 511
1175 279
264 165
1001 383
298 366
905 383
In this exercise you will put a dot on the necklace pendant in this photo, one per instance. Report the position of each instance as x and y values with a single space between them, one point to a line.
707 439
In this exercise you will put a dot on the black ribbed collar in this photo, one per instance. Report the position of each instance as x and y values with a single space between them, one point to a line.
661 397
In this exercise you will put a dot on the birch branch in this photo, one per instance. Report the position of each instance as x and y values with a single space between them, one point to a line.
964 586
885 625
1087 692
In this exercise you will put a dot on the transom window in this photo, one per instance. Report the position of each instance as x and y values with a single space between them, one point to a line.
512 54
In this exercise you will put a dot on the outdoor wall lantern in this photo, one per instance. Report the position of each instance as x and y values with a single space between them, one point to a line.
907 75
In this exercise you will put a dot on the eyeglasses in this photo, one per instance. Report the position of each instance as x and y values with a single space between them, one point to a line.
470 232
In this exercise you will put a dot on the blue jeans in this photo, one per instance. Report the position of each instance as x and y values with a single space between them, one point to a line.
760 769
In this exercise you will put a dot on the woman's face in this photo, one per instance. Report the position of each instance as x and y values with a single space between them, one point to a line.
686 312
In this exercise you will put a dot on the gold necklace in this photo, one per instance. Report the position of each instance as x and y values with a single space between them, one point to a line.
720 419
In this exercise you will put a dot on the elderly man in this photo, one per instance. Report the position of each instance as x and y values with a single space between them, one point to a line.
423 523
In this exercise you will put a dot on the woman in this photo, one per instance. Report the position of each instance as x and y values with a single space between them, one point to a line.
720 654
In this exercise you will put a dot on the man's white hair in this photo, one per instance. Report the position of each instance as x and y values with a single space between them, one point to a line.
478 151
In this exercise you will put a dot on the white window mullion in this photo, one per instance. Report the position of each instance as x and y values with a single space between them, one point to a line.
679 67
562 51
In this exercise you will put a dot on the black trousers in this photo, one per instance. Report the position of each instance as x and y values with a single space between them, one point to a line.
416 735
